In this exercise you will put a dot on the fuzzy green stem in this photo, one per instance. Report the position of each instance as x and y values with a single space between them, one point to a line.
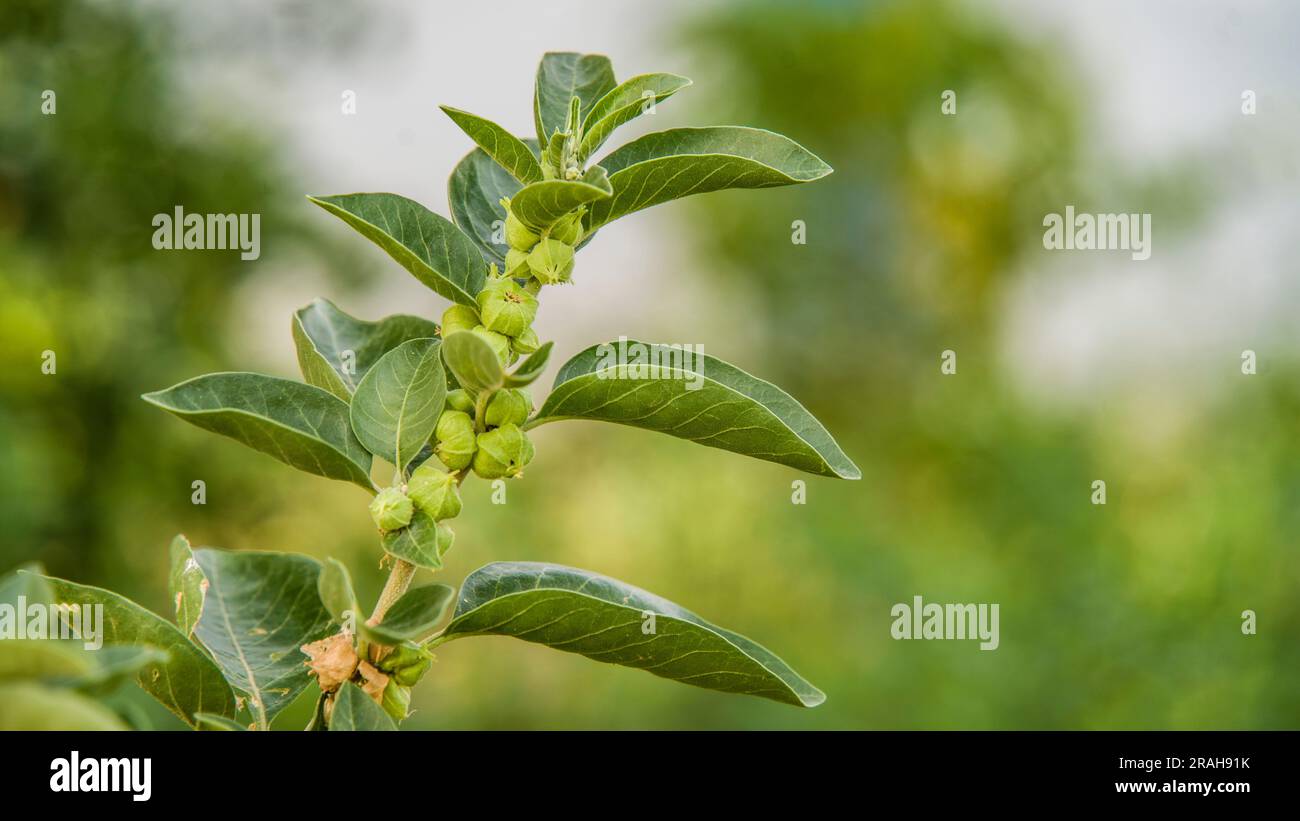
399 578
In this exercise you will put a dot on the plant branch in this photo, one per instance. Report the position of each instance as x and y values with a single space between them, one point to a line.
399 578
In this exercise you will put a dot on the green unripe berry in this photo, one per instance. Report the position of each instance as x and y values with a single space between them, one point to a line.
509 406
500 343
517 264
527 342
391 509
568 230
458 318
406 663
460 400
502 451
518 236
505 307
396 700
551 261
445 538
434 492
454 442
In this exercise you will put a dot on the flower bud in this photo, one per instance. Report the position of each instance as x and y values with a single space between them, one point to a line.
568 230
518 236
434 492
406 663
527 342
500 343
551 261
458 318
508 406
505 307
396 700
391 509
517 264
453 437
502 451
460 400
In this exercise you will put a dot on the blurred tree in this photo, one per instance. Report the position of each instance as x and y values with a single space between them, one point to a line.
91 480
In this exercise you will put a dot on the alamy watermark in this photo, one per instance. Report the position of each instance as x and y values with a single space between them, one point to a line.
638 360
214 232
36 621
921 620
1098 232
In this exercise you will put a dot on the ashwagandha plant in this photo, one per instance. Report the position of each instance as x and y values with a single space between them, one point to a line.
442 403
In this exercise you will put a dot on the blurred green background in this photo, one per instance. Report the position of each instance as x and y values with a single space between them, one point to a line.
976 486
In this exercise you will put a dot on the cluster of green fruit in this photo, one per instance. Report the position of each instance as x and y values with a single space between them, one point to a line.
545 258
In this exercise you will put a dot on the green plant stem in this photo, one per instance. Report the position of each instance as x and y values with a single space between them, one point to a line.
480 411
399 578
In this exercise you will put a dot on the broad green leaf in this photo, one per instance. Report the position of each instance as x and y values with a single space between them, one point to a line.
422 543
624 104
506 149
561 76
433 249
354 710
530 368
301 425
186 583
475 190
696 397
335 350
473 362
29 705
41 659
606 620
187 683
541 204
260 608
207 721
28 581
668 165
397 403
414 615
113 666
335 589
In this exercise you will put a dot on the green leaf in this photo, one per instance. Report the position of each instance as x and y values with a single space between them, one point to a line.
42 659
530 368
186 583
114 666
301 425
696 397
207 721
475 191
335 589
414 615
354 710
473 362
562 76
433 249
29 705
624 104
28 581
398 402
541 204
187 683
606 620
668 165
260 608
335 350
422 543
506 149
